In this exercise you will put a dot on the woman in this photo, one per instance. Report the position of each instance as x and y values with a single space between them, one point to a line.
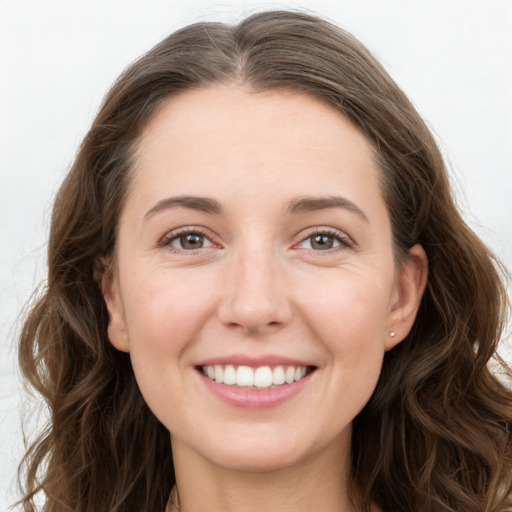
261 295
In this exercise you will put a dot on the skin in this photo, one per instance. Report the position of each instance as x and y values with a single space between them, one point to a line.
258 285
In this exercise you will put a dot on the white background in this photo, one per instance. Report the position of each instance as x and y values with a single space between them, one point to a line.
58 58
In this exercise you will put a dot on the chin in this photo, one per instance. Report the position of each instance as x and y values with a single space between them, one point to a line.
255 459
263 450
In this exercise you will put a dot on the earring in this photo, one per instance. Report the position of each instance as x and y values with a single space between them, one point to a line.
392 334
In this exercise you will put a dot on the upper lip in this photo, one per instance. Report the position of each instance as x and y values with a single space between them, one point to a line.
244 360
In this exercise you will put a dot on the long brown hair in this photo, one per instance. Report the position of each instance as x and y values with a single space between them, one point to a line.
436 434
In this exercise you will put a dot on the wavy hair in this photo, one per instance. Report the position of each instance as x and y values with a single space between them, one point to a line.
436 434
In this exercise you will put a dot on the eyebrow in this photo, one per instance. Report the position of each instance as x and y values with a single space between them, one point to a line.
299 205
203 204
310 204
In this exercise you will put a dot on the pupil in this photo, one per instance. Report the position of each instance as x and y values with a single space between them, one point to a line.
191 241
322 242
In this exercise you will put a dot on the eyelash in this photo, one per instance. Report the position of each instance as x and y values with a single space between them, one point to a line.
344 241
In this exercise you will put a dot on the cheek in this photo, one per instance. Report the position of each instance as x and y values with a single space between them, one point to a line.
348 305
163 318
164 312
350 318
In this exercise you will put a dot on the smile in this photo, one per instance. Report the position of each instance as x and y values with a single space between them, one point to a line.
261 377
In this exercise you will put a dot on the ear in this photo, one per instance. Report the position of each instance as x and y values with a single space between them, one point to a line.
109 285
409 287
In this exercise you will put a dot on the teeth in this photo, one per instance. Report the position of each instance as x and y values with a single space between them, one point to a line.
289 374
219 374
244 376
229 375
262 377
278 376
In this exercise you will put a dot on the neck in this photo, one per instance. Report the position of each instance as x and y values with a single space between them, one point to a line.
317 483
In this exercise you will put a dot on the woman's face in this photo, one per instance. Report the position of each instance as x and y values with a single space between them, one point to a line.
254 247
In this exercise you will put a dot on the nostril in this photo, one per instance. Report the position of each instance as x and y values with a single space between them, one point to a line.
253 327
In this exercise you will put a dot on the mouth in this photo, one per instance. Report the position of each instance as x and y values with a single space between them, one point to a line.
258 378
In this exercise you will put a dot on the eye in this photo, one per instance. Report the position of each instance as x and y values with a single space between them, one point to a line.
324 241
186 240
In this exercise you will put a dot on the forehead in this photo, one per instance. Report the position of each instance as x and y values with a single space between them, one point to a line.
228 138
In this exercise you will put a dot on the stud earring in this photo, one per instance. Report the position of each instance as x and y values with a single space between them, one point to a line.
392 334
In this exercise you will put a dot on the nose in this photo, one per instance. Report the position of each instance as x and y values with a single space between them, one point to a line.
254 295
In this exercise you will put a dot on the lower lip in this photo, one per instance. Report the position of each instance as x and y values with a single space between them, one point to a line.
246 398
